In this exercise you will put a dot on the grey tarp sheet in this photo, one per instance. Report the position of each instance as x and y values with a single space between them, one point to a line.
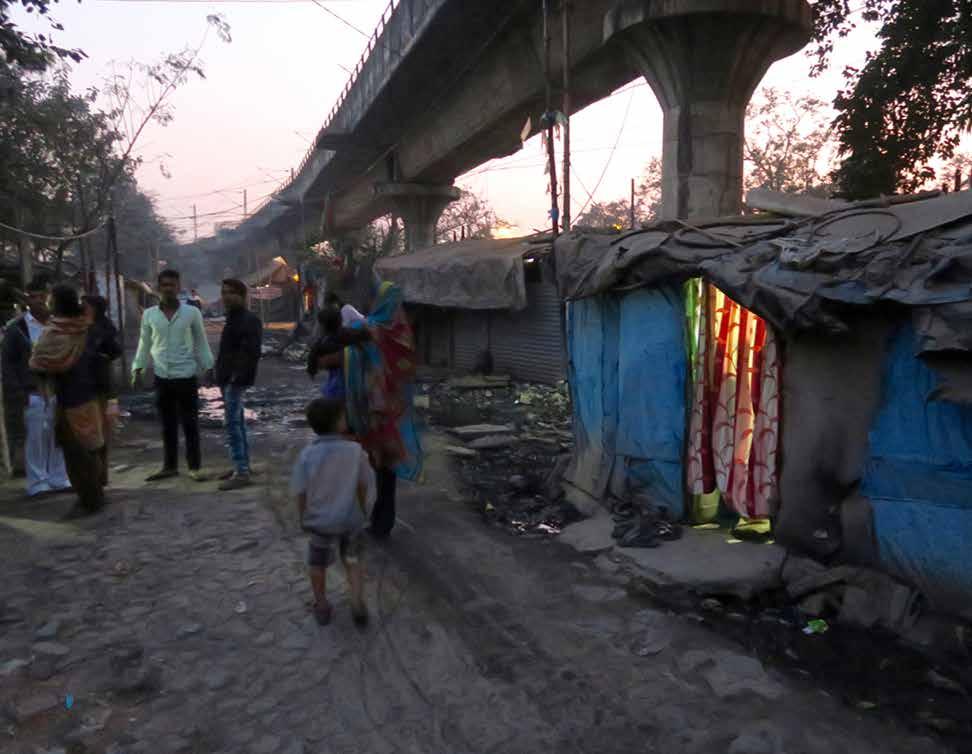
472 274
803 275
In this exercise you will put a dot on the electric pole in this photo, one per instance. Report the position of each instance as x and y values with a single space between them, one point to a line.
565 10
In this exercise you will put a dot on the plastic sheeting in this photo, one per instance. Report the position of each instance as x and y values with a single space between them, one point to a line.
628 369
652 370
474 274
802 276
919 480
592 347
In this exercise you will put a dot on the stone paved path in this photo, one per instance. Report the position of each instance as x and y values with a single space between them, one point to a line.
178 622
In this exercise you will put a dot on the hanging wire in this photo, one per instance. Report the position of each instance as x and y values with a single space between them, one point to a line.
42 237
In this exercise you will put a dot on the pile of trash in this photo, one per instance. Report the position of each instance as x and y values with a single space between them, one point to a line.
511 442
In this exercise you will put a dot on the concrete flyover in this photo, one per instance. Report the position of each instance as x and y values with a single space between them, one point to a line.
448 85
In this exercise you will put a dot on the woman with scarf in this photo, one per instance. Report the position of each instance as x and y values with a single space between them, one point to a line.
378 376
69 358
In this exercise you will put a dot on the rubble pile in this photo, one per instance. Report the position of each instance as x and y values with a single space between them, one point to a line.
510 442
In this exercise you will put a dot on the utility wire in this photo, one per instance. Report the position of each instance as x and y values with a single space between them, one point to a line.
340 18
42 237
225 2
624 121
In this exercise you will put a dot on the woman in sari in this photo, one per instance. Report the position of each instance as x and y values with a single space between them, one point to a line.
67 356
378 376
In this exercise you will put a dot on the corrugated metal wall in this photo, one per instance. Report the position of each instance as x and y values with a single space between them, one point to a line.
529 344
434 332
470 336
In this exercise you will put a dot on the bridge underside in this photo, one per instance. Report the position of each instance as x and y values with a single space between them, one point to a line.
452 83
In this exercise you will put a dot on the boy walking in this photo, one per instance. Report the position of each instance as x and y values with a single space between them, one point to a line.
333 483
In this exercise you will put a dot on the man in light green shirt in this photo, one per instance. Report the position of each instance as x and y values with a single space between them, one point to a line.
174 336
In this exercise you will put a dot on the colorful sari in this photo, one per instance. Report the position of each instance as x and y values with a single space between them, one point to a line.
378 378
56 352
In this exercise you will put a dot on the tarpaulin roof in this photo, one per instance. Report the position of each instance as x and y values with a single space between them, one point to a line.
472 274
807 273
275 272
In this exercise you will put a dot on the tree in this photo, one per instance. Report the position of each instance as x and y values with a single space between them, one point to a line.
789 143
616 215
470 216
72 157
961 165
910 101
30 51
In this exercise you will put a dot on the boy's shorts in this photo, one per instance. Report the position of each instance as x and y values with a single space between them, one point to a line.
322 550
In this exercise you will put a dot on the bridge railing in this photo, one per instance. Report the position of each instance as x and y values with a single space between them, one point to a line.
374 41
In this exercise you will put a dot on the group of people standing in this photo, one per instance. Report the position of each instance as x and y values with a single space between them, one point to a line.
59 401
60 404
173 336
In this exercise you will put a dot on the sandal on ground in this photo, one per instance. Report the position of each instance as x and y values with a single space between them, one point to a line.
622 509
624 527
639 537
323 613
667 531
162 474
360 616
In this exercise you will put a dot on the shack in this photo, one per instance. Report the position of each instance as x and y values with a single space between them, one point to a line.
813 369
485 303
275 293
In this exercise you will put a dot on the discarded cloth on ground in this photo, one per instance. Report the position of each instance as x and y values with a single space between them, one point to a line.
858 597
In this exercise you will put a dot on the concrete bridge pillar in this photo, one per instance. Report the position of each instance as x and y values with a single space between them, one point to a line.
420 207
703 59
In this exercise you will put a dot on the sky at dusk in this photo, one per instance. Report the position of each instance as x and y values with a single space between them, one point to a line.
268 91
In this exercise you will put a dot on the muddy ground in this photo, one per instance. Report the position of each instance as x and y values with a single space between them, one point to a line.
178 621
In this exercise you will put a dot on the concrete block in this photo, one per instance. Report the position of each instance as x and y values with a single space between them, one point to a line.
704 562
592 535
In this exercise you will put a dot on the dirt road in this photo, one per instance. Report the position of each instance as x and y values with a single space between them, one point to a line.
178 621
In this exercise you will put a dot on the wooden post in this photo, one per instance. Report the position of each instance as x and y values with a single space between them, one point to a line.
119 291
551 154
565 14
244 204
195 226
25 250
958 179
108 268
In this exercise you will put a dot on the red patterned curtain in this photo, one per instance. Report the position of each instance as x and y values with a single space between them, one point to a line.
734 427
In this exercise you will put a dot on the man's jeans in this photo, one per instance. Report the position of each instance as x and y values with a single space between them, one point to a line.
236 440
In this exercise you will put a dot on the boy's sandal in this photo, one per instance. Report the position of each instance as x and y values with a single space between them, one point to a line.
360 616
323 614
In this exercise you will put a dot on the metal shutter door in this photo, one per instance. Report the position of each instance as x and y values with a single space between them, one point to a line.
529 344
470 337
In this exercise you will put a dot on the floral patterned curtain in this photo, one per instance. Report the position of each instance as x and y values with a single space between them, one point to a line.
734 426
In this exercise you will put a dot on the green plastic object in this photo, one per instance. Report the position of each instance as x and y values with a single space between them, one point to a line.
705 508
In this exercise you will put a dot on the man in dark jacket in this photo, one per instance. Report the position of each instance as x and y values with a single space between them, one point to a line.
240 347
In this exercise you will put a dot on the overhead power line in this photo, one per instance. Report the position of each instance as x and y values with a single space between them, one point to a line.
230 2
340 18
42 237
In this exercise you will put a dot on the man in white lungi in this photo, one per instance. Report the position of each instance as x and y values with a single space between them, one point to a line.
44 461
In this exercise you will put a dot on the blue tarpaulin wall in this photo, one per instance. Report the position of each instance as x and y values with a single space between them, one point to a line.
592 347
628 371
919 480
